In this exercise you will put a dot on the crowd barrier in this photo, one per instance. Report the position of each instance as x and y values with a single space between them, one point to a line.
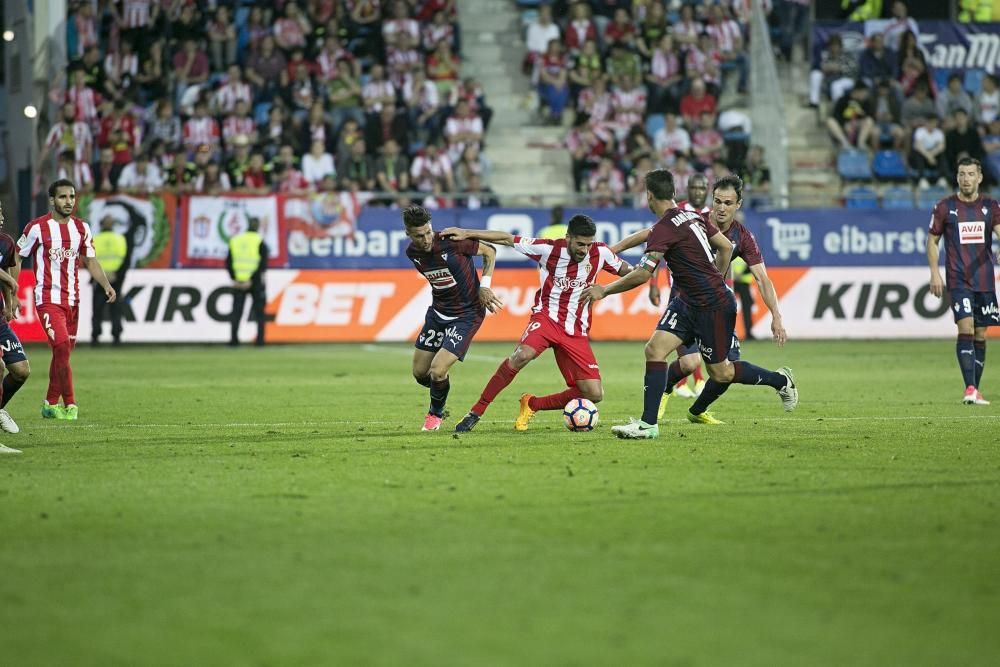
343 276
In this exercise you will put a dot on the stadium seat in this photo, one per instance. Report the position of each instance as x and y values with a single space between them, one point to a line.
890 166
852 165
940 76
926 199
260 112
654 124
974 81
861 198
897 197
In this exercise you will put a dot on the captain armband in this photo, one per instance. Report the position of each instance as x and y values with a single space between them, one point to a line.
648 262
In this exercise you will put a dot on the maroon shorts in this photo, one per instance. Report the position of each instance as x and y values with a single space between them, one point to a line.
574 357
59 322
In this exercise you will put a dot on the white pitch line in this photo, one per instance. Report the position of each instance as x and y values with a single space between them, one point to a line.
353 422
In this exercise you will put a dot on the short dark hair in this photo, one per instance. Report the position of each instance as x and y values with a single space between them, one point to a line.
730 181
253 223
660 183
698 176
61 183
966 161
416 216
581 225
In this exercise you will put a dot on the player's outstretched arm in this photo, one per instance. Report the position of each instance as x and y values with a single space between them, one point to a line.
486 295
631 241
723 251
637 276
766 288
98 273
933 252
459 234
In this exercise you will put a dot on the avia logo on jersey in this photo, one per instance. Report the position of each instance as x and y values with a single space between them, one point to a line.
563 283
440 278
972 232
57 254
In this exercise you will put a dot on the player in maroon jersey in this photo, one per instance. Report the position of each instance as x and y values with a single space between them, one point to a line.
727 194
58 241
459 304
704 312
560 318
14 365
965 220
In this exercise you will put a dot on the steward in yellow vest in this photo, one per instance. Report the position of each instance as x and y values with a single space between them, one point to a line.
114 252
246 263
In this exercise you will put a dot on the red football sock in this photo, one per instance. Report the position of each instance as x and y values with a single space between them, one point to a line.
503 376
60 376
698 374
555 401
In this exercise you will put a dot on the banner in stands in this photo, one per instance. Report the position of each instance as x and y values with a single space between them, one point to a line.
207 224
389 305
149 220
947 45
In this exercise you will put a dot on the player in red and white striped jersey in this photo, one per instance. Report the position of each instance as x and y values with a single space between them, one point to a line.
58 242
560 317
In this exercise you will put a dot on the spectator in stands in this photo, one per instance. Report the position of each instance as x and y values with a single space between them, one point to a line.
423 104
988 102
76 171
222 39
836 73
290 31
122 68
151 81
652 28
140 177
469 89
637 182
962 140
900 24
84 99
697 101
286 175
991 144
953 98
540 32
597 104
579 28
391 125
300 93
276 132
437 31
629 100
917 107
471 162
638 145
316 127
794 24
462 129
350 132
553 83
403 60
443 68
888 119
706 142
81 29
850 122
705 62
400 24
317 163
235 89
190 68
330 56
687 29
68 134
212 181
621 31
756 177
671 140
877 62
359 167
621 63
610 175
665 77
345 96
264 69
477 195
201 129
120 131
239 124
239 160
603 195
186 26
94 75
106 172
927 152
682 172
392 169
256 178
587 145
432 167
913 66
728 38
251 33
164 126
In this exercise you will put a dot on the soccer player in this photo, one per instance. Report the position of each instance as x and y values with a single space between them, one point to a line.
560 319
727 194
704 312
965 220
14 366
58 241
459 305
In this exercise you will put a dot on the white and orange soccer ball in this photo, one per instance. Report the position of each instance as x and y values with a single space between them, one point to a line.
580 415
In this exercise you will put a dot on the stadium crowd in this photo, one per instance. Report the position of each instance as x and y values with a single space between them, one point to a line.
642 81
249 96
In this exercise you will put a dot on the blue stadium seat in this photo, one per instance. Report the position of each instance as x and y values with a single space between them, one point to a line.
941 75
861 198
260 112
926 199
974 81
852 165
654 124
897 197
890 166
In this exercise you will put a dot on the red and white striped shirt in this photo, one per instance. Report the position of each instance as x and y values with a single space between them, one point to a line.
86 101
235 125
117 65
685 205
136 13
630 105
395 27
599 106
726 34
665 64
74 137
327 62
86 33
201 131
401 64
80 174
563 280
434 33
228 95
57 249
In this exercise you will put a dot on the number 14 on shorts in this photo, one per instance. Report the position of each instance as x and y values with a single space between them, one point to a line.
669 319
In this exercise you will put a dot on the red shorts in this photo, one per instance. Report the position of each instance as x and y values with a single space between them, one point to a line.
59 322
574 357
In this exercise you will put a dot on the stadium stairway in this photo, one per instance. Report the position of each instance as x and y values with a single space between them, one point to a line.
811 159
521 151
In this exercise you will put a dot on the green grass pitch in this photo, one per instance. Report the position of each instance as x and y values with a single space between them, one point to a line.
281 507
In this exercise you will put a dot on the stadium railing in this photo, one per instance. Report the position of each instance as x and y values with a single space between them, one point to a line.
767 105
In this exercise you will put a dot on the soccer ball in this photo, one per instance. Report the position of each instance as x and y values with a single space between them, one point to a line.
580 415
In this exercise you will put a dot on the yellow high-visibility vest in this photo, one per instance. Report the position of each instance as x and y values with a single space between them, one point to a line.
979 11
245 250
553 232
741 272
871 9
111 248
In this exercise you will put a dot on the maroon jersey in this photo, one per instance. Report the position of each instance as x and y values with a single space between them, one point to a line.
7 251
967 228
745 244
682 237
451 271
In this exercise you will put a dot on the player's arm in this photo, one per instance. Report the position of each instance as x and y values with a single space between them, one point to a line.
766 289
933 253
9 288
486 295
631 241
723 248
459 234
637 276
94 267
